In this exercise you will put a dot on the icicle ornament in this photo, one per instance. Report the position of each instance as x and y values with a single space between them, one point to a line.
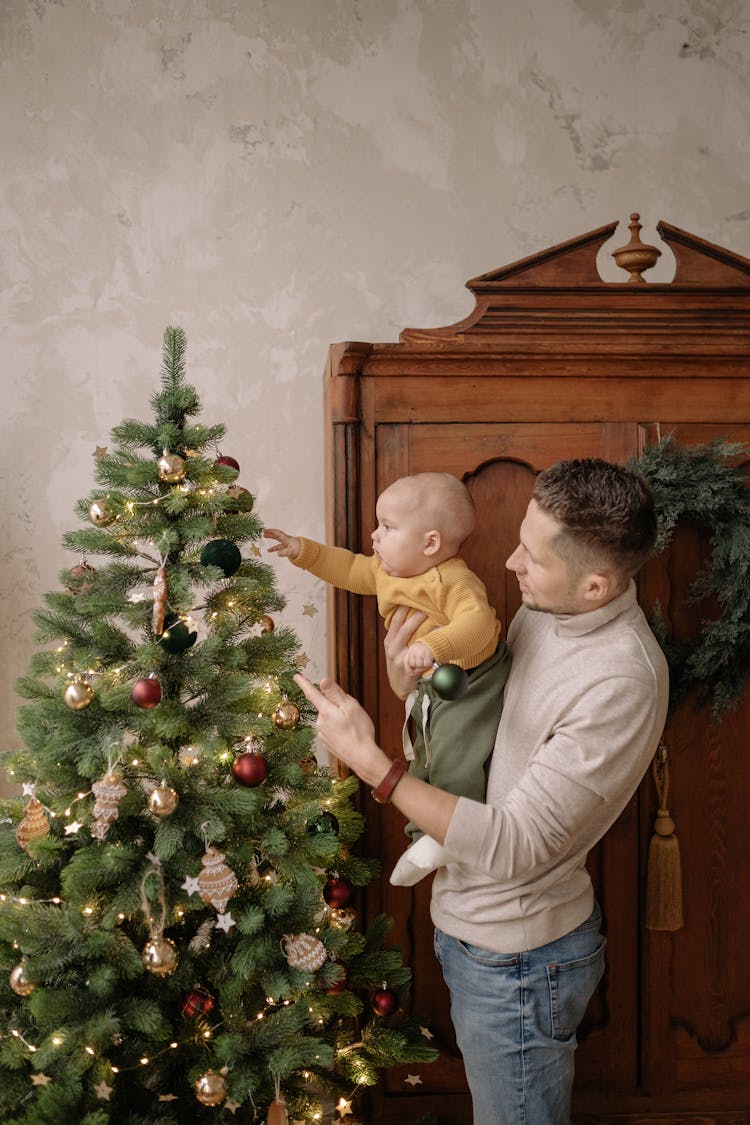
161 593
108 792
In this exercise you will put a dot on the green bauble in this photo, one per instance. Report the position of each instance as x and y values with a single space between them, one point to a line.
176 637
222 553
325 823
450 681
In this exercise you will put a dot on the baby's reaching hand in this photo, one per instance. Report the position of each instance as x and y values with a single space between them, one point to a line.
288 547
419 657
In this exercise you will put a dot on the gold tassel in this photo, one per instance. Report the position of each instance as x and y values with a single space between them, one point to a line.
664 885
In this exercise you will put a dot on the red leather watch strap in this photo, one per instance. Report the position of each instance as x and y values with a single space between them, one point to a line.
382 792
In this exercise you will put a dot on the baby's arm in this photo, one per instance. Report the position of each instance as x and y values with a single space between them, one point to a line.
335 565
288 546
472 623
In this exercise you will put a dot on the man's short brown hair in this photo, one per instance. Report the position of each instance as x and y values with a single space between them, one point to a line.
606 512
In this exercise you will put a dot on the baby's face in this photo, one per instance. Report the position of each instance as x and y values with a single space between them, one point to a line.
400 539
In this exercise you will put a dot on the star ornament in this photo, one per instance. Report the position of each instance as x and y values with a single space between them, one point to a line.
232 1106
344 1108
73 828
225 921
99 452
309 610
413 1080
191 885
103 1091
40 1079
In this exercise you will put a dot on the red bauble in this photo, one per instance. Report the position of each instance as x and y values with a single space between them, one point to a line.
385 1002
194 1003
146 693
250 768
78 573
340 984
228 461
338 892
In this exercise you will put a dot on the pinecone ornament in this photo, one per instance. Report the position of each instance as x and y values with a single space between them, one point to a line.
34 824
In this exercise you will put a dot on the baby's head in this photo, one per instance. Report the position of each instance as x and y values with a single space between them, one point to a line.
422 521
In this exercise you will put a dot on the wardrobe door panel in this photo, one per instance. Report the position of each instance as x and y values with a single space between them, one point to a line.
499 464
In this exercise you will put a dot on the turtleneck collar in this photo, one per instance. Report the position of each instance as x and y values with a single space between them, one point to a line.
579 624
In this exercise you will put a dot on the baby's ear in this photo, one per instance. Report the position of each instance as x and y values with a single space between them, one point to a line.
433 541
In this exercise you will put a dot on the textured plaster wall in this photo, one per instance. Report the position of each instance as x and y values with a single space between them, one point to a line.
275 175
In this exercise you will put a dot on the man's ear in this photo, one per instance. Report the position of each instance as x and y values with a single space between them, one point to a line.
598 587
433 541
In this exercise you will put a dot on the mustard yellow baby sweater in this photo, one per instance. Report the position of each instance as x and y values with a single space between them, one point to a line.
461 626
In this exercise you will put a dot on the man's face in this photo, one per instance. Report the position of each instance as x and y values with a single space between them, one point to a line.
546 581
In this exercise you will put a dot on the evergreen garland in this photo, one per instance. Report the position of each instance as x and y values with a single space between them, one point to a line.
702 485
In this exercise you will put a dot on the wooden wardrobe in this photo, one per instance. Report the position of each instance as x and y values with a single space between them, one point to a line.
554 363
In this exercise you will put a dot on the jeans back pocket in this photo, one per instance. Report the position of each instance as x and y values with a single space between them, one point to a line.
571 986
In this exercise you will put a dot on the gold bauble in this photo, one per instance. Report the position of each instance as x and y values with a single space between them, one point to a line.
285 715
163 800
210 1088
160 956
78 695
171 467
251 744
343 918
18 982
238 493
267 624
100 514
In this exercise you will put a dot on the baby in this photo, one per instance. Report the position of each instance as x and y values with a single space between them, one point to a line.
422 522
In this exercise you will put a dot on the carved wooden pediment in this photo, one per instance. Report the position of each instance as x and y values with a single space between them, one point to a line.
556 299
574 262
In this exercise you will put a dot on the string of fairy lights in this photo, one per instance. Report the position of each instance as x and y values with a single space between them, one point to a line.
210 1088
206 1091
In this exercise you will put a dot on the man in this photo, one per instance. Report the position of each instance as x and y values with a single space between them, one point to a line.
517 929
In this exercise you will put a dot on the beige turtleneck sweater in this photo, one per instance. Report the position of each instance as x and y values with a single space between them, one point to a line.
584 709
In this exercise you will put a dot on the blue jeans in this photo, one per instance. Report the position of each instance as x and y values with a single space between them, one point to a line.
516 1016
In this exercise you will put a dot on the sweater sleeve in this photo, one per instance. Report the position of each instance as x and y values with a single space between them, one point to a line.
472 626
337 566
573 789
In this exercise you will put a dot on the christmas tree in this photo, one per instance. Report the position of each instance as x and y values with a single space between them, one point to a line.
176 881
